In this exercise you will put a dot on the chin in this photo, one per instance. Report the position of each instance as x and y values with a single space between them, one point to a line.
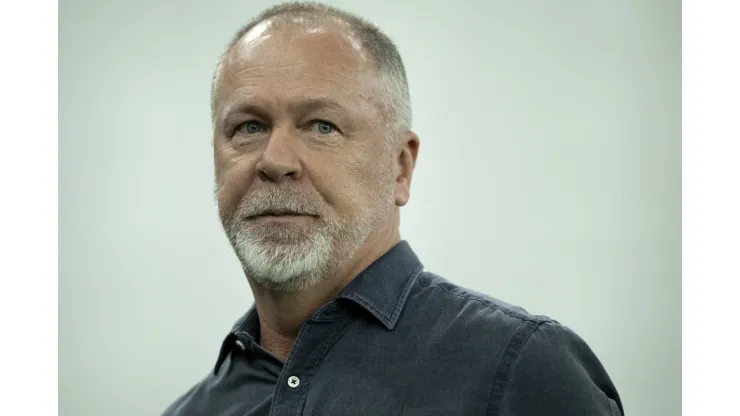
287 269
281 261
293 256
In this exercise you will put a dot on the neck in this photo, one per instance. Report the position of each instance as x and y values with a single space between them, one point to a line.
281 314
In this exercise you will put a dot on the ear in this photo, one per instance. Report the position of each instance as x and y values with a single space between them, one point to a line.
406 152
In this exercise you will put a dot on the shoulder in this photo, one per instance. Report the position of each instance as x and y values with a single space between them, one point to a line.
539 362
464 302
555 369
480 325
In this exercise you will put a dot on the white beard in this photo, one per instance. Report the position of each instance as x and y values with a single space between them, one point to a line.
291 258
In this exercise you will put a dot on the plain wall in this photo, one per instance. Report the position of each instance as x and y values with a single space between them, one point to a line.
548 177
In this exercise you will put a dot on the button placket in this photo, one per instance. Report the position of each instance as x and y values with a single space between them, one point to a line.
309 348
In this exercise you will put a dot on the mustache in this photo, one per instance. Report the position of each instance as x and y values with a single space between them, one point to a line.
277 201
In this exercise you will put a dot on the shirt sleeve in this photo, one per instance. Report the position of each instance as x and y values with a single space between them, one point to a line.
556 373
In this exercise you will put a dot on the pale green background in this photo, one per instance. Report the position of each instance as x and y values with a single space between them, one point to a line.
549 177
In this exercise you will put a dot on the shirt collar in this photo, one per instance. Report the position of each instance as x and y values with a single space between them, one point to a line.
248 324
380 290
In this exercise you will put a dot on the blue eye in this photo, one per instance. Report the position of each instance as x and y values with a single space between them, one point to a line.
251 127
324 127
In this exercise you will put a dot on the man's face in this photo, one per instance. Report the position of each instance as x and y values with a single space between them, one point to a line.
302 169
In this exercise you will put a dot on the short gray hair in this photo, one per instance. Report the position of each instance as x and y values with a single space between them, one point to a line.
394 97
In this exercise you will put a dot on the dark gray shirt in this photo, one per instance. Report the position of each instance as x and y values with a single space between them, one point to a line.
401 341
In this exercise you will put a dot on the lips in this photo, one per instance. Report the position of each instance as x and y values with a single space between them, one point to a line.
279 214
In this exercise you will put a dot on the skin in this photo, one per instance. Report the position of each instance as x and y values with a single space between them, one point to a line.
268 78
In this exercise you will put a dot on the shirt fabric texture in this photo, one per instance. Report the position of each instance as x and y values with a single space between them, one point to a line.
398 340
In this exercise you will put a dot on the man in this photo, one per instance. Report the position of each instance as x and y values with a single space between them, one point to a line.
313 158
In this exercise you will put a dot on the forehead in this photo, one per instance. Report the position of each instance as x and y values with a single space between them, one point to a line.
296 60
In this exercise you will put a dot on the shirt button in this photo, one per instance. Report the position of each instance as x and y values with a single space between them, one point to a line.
293 381
240 345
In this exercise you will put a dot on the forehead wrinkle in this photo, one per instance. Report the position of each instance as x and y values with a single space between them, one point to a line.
318 85
296 93
349 79
247 68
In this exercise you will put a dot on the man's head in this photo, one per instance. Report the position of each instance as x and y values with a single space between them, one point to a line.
311 118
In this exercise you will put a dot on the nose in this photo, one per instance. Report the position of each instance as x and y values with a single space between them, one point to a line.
279 160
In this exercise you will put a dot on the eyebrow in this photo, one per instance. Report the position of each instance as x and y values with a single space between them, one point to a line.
242 108
304 106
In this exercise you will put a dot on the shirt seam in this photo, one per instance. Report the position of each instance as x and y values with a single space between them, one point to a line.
502 376
484 302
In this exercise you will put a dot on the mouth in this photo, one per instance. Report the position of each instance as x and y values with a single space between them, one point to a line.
279 214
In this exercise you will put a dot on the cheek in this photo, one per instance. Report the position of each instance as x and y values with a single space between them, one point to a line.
350 185
335 180
234 177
